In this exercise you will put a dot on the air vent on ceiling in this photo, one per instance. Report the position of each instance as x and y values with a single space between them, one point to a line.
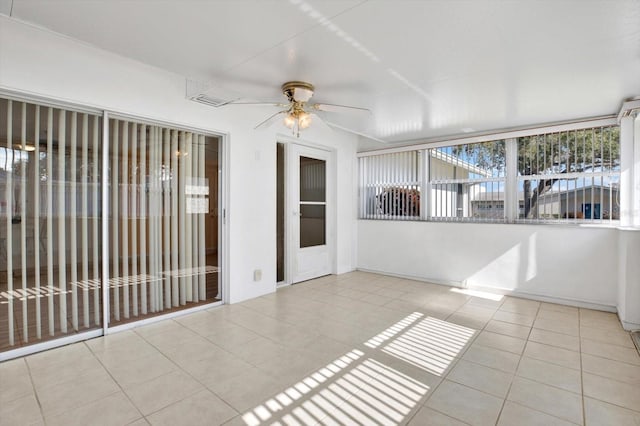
209 94
210 100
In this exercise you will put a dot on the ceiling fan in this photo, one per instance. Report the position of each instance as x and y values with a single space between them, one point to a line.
299 113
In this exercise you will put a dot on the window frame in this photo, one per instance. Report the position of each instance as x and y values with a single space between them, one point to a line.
512 180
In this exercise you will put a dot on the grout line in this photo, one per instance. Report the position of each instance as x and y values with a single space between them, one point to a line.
179 369
517 367
193 376
440 412
584 411
33 387
112 378
545 413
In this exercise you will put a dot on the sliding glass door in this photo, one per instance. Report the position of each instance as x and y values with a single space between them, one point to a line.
163 220
50 207
162 229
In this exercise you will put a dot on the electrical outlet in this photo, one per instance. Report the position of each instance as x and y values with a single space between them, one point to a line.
257 275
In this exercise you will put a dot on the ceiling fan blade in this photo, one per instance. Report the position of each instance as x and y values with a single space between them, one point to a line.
338 108
269 120
355 132
275 104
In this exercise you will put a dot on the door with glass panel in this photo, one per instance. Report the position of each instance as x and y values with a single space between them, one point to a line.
311 251
163 220
50 223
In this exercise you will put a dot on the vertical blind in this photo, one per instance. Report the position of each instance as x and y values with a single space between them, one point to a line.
50 232
390 186
160 196
51 221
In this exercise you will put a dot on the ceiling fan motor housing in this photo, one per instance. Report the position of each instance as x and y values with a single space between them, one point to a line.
298 91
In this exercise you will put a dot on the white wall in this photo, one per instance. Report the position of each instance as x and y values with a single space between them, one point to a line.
629 278
568 263
38 62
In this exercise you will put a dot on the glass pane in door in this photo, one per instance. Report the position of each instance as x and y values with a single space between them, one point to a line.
312 225
312 202
312 179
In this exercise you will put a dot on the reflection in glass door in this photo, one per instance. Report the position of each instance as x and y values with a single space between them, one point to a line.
163 220
50 209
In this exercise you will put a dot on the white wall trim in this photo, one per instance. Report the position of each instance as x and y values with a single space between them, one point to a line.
629 326
541 297
608 120
437 281
506 292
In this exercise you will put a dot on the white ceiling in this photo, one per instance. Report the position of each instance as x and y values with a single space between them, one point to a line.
425 68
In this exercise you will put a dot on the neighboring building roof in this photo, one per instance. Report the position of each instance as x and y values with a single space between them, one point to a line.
499 196
458 162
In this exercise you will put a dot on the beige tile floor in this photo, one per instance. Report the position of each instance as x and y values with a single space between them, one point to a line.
352 349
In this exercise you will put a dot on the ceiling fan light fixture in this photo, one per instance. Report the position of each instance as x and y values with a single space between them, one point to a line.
297 120
289 120
304 120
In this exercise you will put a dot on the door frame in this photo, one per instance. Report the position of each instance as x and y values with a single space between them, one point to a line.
331 207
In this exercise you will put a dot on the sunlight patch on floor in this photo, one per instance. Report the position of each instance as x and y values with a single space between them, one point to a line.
431 344
392 331
350 390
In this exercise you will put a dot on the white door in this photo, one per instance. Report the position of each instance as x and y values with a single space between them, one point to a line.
309 197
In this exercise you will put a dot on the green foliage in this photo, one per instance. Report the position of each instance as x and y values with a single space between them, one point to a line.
489 156
576 151
569 152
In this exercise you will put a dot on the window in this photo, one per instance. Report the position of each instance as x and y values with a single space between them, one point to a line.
390 187
569 176
467 181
